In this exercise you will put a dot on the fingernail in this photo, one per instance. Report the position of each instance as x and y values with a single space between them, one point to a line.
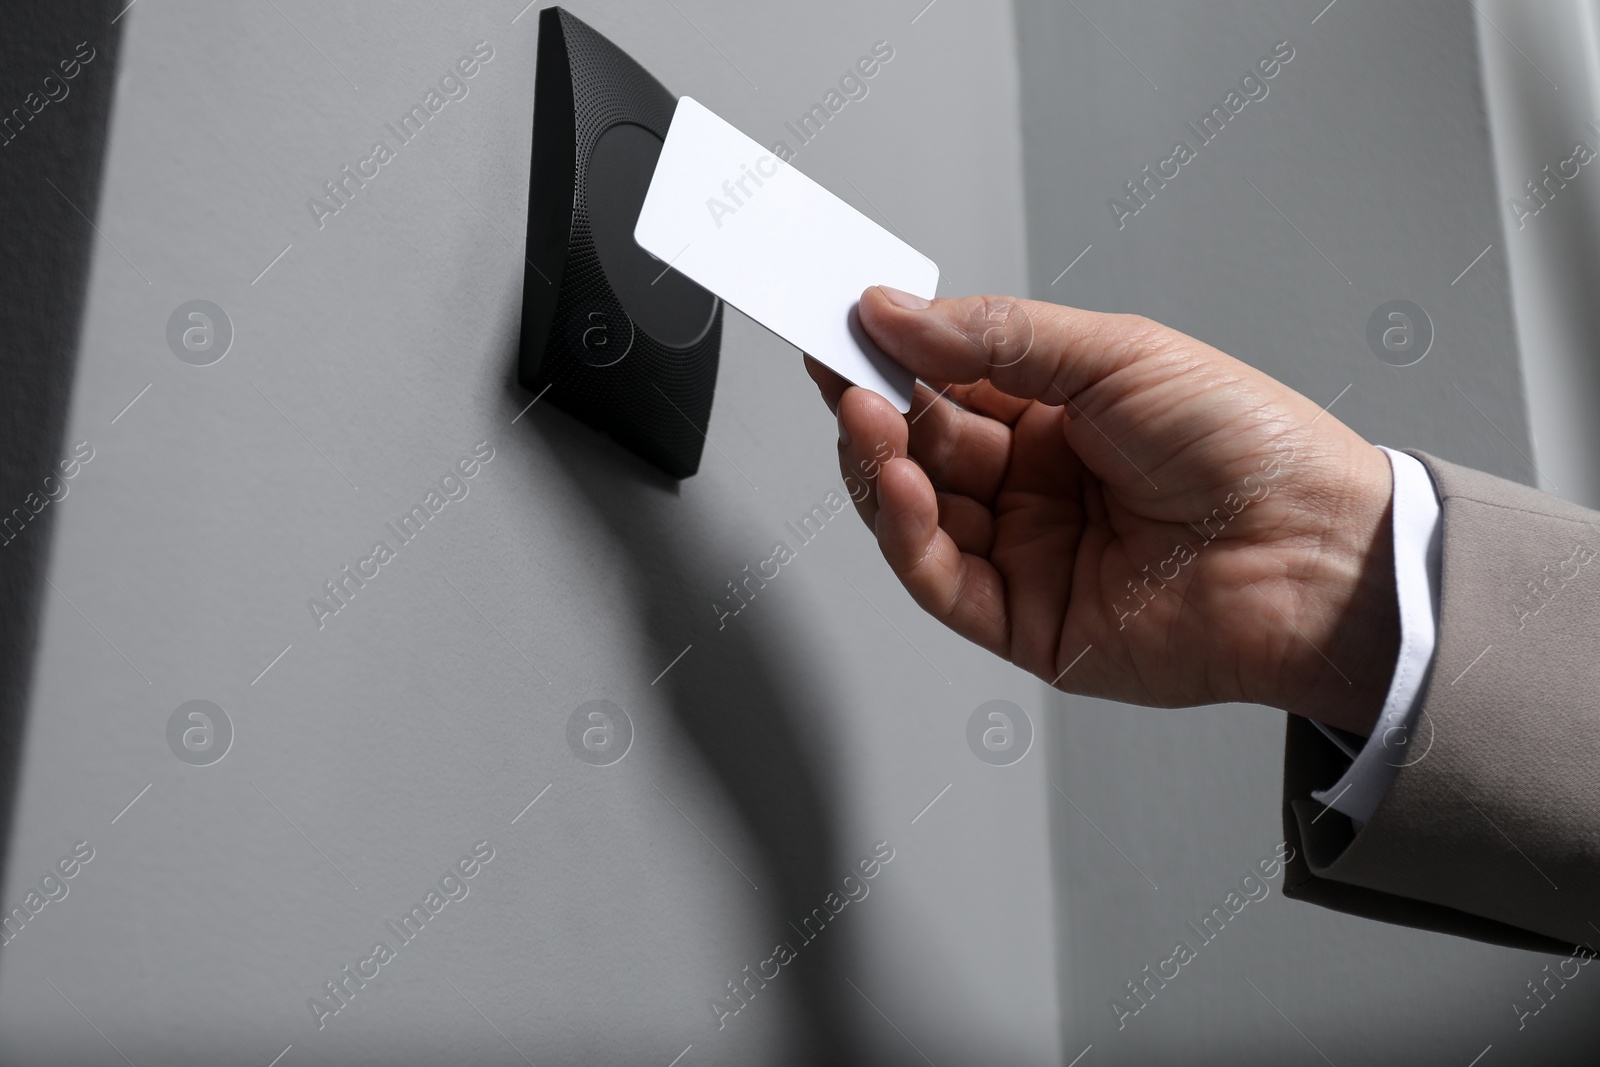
844 436
909 301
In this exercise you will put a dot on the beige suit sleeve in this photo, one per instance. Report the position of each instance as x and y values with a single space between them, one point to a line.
1491 829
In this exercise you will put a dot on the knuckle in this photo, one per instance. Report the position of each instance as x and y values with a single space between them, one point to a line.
1002 328
976 317
941 444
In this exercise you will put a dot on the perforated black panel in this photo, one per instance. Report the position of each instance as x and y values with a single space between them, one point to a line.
598 365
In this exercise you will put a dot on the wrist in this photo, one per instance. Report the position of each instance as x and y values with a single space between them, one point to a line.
1350 606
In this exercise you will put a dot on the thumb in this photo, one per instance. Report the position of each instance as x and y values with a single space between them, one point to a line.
1026 348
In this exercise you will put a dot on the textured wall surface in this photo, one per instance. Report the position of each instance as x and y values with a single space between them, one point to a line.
1363 175
370 350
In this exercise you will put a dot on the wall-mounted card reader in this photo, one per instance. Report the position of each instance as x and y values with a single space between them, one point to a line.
621 341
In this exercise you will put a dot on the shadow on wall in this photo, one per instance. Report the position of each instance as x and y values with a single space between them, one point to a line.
45 276
730 700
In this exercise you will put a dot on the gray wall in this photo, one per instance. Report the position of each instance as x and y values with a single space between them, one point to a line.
1373 181
777 752
429 712
1541 66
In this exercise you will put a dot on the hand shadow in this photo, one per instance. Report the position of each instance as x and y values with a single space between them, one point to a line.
730 700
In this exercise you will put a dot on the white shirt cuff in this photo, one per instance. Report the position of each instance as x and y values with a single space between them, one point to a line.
1418 556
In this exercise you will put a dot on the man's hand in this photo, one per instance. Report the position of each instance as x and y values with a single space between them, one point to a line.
1078 481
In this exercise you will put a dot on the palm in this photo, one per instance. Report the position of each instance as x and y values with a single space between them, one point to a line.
1096 556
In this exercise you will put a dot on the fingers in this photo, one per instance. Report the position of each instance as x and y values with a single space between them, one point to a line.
985 399
871 432
962 591
969 523
829 384
1028 349
963 452
934 542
